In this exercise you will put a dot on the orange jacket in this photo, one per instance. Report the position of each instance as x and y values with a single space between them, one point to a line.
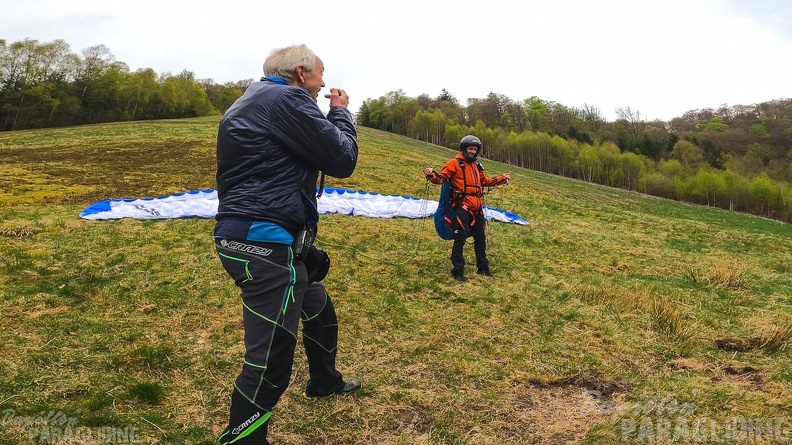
469 180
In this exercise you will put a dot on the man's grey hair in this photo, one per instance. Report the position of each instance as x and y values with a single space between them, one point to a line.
283 62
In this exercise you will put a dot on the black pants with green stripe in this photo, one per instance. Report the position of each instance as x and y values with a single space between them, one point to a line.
275 296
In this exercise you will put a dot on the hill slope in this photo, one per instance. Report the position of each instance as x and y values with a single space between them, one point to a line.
609 317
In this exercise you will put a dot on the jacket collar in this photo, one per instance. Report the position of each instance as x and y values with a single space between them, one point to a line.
275 79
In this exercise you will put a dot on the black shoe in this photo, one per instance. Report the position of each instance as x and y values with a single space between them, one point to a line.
460 278
347 388
486 273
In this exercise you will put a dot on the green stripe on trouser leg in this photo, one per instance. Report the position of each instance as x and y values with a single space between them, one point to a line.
273 289
250 430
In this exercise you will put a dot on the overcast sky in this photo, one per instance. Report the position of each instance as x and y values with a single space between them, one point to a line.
660 57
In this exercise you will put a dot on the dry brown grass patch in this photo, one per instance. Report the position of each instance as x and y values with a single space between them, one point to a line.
738 344
669 321
724 276
558 413
687 364
606 293
18 232
779 339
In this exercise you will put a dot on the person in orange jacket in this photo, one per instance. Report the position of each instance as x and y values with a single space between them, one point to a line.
466 177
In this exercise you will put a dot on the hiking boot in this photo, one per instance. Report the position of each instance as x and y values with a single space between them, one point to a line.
485 272
348 387
460 278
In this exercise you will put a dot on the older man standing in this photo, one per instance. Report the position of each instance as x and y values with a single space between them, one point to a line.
271 145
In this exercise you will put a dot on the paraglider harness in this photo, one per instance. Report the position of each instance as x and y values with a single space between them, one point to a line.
448 223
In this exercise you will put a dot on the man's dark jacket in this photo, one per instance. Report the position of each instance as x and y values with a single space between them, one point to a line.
271 145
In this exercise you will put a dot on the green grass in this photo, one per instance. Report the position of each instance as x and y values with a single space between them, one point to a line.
134 324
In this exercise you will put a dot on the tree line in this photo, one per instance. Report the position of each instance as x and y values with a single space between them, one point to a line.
47 85
737 158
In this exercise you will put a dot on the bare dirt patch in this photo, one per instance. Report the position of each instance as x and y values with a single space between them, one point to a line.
558 410
738 344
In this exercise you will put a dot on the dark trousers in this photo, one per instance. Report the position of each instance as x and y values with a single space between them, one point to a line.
479 243
275 296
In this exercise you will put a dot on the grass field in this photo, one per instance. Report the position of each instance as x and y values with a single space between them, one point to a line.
612 318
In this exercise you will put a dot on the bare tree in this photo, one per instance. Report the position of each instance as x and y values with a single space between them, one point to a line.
634 124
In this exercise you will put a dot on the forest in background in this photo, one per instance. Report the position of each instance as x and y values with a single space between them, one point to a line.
46 85
734 157
737 158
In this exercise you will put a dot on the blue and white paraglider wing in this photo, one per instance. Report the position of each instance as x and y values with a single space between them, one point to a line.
203 204
192 204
